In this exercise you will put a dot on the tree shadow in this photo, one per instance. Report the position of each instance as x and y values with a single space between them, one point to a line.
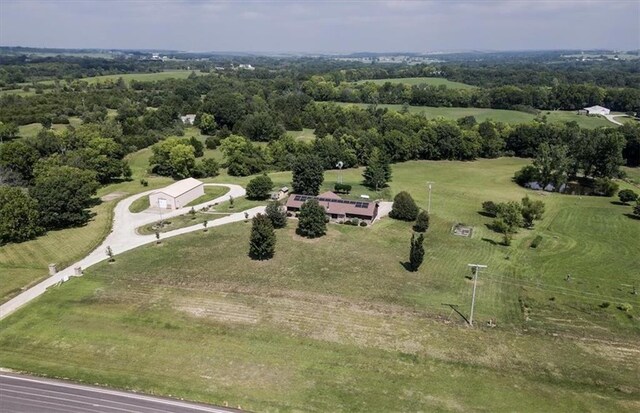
631 216
406 265
619 203
486 214
490 241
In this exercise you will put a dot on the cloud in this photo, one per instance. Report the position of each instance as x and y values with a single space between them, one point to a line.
329 25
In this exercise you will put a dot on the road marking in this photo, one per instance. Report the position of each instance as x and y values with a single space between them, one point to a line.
118 393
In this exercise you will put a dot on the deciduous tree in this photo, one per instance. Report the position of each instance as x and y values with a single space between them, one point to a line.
308 175
311 220
19 216
404 207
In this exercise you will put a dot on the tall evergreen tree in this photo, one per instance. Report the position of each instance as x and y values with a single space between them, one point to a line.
308 175
311 221
416 254
276 214
262 244
378 171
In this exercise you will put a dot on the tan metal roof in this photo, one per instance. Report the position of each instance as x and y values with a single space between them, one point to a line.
178 188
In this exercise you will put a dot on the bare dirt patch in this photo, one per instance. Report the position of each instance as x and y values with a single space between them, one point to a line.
113 195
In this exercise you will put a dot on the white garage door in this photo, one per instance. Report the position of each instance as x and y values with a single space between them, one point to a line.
162 203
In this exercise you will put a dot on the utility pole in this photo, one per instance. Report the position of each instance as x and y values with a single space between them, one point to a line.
429 205
475 281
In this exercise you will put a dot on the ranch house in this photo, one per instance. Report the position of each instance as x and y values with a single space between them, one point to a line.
336 208
177 195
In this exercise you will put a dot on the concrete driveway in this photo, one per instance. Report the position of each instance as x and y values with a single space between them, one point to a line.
123 237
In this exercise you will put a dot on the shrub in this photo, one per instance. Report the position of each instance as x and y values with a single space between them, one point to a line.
144 182
626 307
490 208
604 187
342 188
627 195
212 142
363 223
404 207
422 222
605 304
259 188
536 241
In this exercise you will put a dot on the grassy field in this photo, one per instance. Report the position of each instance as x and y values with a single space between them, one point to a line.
210 192
305 135
337 324
181 221
139 205
32 129
127 77
432 81
500 115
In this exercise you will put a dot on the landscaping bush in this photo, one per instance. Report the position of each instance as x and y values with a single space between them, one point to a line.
342 188
422 222
363 223
627 195
259 188
404 207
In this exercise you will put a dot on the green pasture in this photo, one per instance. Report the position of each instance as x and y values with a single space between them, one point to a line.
337 323
499 115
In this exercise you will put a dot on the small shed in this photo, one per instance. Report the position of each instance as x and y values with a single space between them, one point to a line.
177 195
597 110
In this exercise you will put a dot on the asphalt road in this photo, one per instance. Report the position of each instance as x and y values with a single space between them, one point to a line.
26 394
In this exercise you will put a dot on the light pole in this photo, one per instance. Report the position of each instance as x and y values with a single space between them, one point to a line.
475 280
429 205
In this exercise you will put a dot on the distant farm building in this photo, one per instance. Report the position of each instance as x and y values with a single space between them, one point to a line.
188 119
596 110
336 208
177 195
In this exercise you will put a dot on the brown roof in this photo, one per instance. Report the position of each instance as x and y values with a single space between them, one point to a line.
333 204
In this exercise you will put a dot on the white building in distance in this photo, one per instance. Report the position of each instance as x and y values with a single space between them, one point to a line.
597 110
188 119
177 195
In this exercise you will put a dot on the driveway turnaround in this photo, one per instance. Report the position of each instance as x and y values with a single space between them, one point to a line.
30 394
123 237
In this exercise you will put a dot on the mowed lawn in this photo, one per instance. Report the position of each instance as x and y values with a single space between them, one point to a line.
337 324
24 264
432 81
499 115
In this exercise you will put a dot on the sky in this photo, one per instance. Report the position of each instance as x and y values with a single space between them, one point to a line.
328 26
